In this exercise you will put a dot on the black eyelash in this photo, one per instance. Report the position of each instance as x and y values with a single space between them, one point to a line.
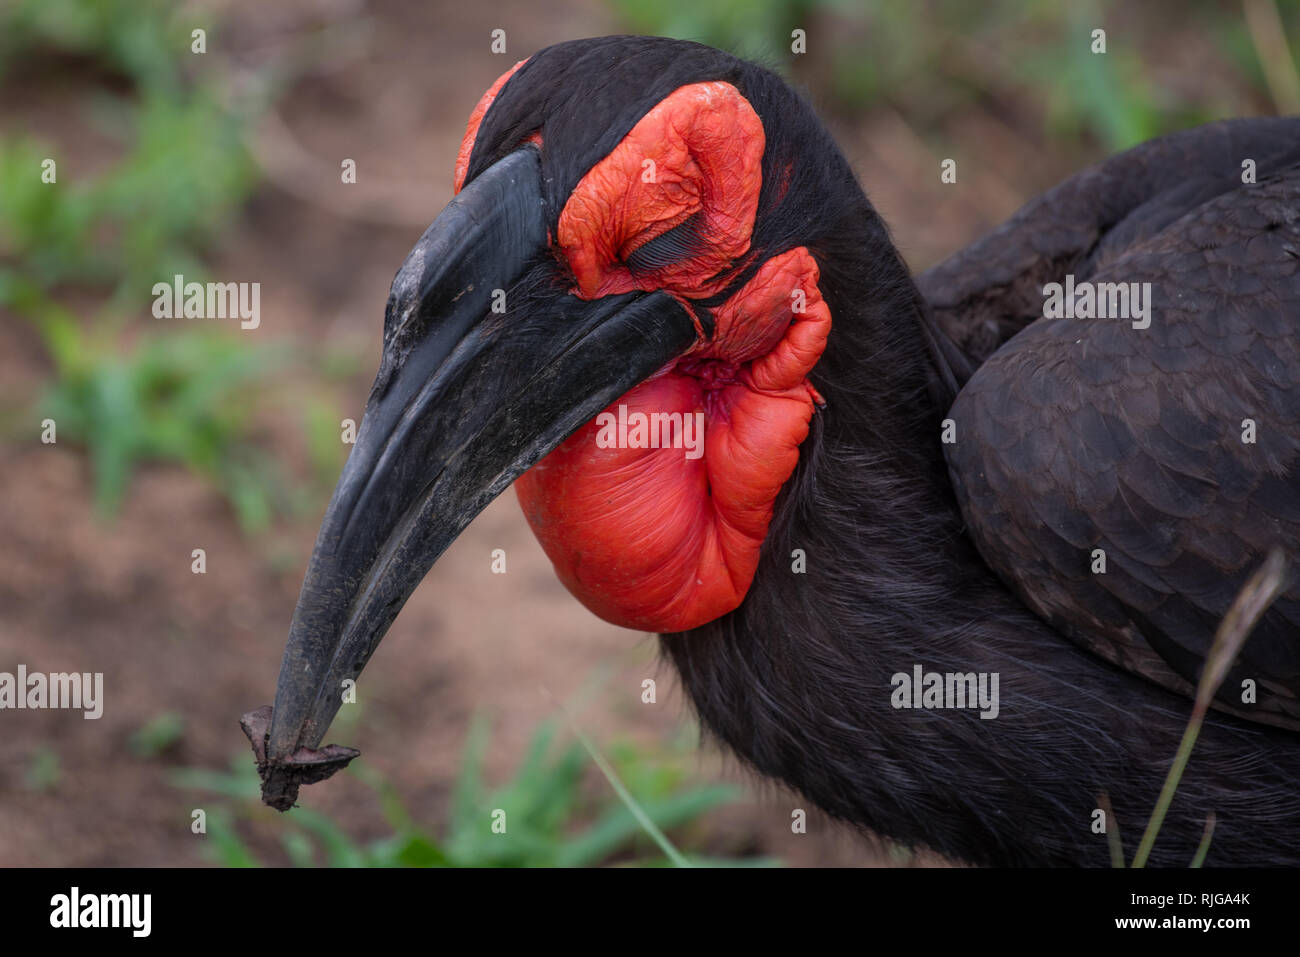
680 243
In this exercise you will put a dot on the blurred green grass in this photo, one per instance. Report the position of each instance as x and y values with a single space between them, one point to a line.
176 399
182 172
550 817
178 180
1028 60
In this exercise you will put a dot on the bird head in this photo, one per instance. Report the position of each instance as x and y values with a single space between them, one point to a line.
620 313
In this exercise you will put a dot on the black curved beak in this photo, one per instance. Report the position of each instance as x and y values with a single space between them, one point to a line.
488 365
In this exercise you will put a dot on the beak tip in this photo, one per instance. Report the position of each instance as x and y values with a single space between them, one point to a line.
281 779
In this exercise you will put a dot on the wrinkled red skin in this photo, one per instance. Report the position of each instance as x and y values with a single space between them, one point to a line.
706 145
648 538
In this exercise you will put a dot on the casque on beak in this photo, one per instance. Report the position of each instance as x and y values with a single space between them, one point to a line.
465 401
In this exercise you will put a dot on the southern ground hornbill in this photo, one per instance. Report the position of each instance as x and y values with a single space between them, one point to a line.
898 475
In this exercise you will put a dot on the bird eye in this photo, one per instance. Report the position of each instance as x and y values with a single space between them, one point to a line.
678 244
708 146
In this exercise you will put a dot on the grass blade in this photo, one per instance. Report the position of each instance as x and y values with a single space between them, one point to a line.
1204 849
1248 607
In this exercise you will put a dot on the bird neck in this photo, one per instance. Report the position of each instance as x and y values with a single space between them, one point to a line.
870 510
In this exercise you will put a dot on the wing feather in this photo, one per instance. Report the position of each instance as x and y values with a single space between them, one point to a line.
1087 434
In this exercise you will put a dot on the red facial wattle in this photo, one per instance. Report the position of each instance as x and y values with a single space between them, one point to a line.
656 538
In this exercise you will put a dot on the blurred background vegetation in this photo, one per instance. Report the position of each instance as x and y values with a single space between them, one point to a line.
224 164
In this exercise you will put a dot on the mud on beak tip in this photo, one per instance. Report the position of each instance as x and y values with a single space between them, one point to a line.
281 779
